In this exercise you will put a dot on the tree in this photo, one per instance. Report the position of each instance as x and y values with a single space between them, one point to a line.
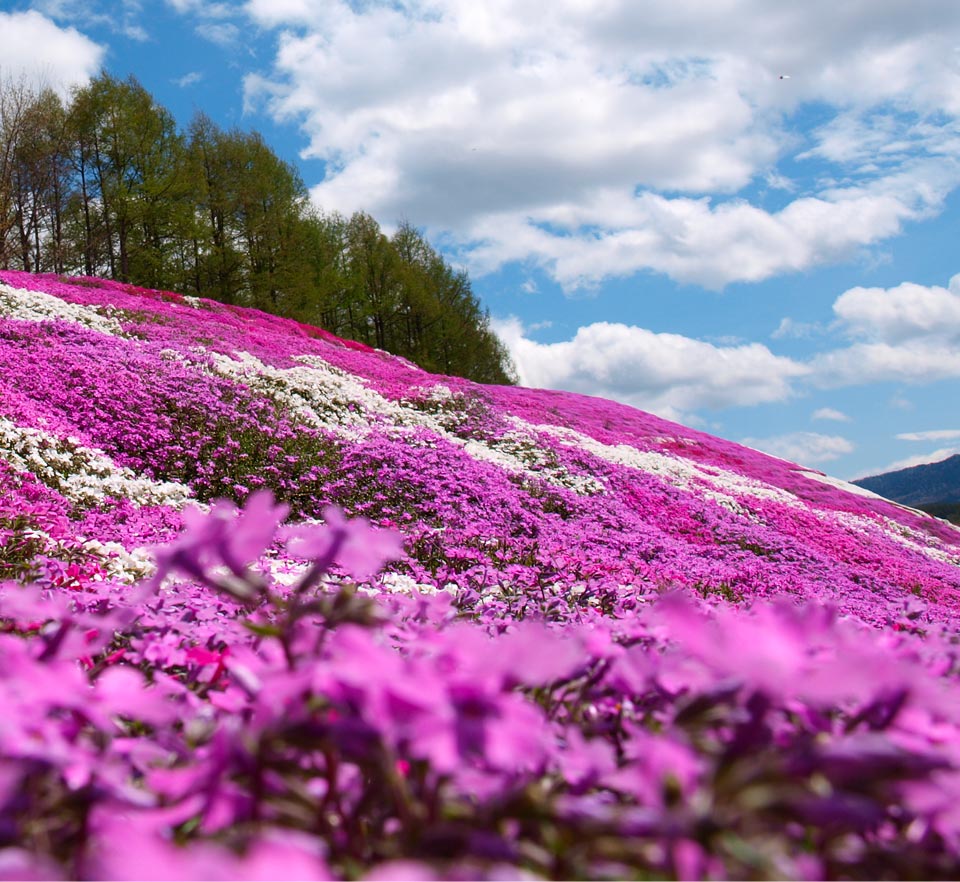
16 96
108 186
39 183
252 211
131 162
446 328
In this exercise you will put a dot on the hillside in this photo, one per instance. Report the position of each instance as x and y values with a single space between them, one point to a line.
929 484
282 605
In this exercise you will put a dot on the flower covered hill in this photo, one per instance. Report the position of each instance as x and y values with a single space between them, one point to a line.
278 605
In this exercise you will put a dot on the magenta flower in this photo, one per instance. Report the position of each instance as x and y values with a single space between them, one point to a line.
354 544
608 646
224 536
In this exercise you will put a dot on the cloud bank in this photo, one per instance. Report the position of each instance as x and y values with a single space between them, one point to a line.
906 334
600 139
667 374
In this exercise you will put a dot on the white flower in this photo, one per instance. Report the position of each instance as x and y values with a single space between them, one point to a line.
82 474
36 306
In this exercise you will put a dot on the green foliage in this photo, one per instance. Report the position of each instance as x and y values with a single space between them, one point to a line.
397 294
20 546
107 186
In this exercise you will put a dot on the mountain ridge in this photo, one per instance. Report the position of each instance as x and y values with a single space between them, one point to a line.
926 484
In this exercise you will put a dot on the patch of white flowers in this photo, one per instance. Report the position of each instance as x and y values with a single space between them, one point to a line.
82 474
922 542
879 526
522 447
36 306
119 563
518 451
914 539
727 488
440 394
399 583
333 399
285 572
319 393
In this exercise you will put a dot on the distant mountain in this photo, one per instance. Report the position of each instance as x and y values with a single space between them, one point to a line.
933 483
947 511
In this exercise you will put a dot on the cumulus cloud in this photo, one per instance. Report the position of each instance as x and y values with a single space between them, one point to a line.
35 48
691 240
665 373
913 362
599 139
906 312
908 333
805 448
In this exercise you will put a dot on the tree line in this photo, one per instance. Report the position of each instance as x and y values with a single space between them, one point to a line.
104 183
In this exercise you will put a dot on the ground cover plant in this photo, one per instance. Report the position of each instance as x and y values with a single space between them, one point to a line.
278 605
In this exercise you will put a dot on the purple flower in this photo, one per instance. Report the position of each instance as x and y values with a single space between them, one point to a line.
224 536
354 544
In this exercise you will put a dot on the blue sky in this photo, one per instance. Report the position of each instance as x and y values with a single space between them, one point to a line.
739 215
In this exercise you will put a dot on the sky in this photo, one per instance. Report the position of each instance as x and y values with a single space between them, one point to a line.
739 215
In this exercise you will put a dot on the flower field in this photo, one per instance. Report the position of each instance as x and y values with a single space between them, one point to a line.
277 605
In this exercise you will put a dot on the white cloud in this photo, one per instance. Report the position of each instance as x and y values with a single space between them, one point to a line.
932 435
189 79
909 333
776 181
665 373
221 33
901 402
214 20
599 139
829 413
912 335
915 361
121 17
789 327
34 47
202 8
690 240
805 448
906 312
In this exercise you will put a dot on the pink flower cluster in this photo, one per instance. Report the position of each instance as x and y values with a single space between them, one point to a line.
396 625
